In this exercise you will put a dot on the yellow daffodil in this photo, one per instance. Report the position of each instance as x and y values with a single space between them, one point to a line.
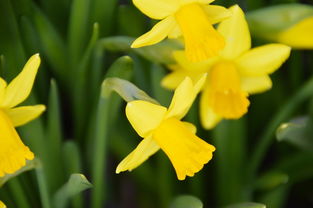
13 153
191 19
161 128
237 72
2 205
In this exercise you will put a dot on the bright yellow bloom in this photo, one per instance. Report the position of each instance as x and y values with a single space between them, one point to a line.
299 35
192 19
2 205
161 128
13 153
237 72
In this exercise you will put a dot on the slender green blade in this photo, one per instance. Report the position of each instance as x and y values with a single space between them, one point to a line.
121 68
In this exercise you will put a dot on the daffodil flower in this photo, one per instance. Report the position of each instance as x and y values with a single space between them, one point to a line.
13 153
191 19
161 128
237 72
2 205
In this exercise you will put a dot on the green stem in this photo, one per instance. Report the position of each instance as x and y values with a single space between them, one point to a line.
100 150
107 105
230 141
267 138
18 193
43 189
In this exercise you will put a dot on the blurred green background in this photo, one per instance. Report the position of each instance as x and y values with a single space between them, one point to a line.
83 132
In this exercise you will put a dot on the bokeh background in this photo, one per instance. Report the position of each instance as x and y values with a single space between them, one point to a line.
81 42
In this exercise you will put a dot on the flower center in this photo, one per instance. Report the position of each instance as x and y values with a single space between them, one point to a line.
202 41
187 152
227 98
13 152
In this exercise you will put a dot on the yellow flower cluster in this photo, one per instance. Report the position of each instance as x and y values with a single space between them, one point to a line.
217 62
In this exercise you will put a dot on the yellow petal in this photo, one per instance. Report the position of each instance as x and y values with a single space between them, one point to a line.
209 119
193 67
175 32
20 87
202 41
143 151
257 84
13 153
157 9
184 2
227 97
192 128
187 152
299 35
3 85
160 31
172 80
236 33
184 96
22 115
144 116
2 205
216 13
263 60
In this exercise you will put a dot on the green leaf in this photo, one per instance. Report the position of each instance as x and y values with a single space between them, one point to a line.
104 13
51 43
30 165
186 201
10 41
131 21
247 205
81 85
72 164
76 184
123 68
54 170
158 53
297 132
230 160
271 180
77 30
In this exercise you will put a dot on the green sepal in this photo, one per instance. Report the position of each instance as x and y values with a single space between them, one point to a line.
271 180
